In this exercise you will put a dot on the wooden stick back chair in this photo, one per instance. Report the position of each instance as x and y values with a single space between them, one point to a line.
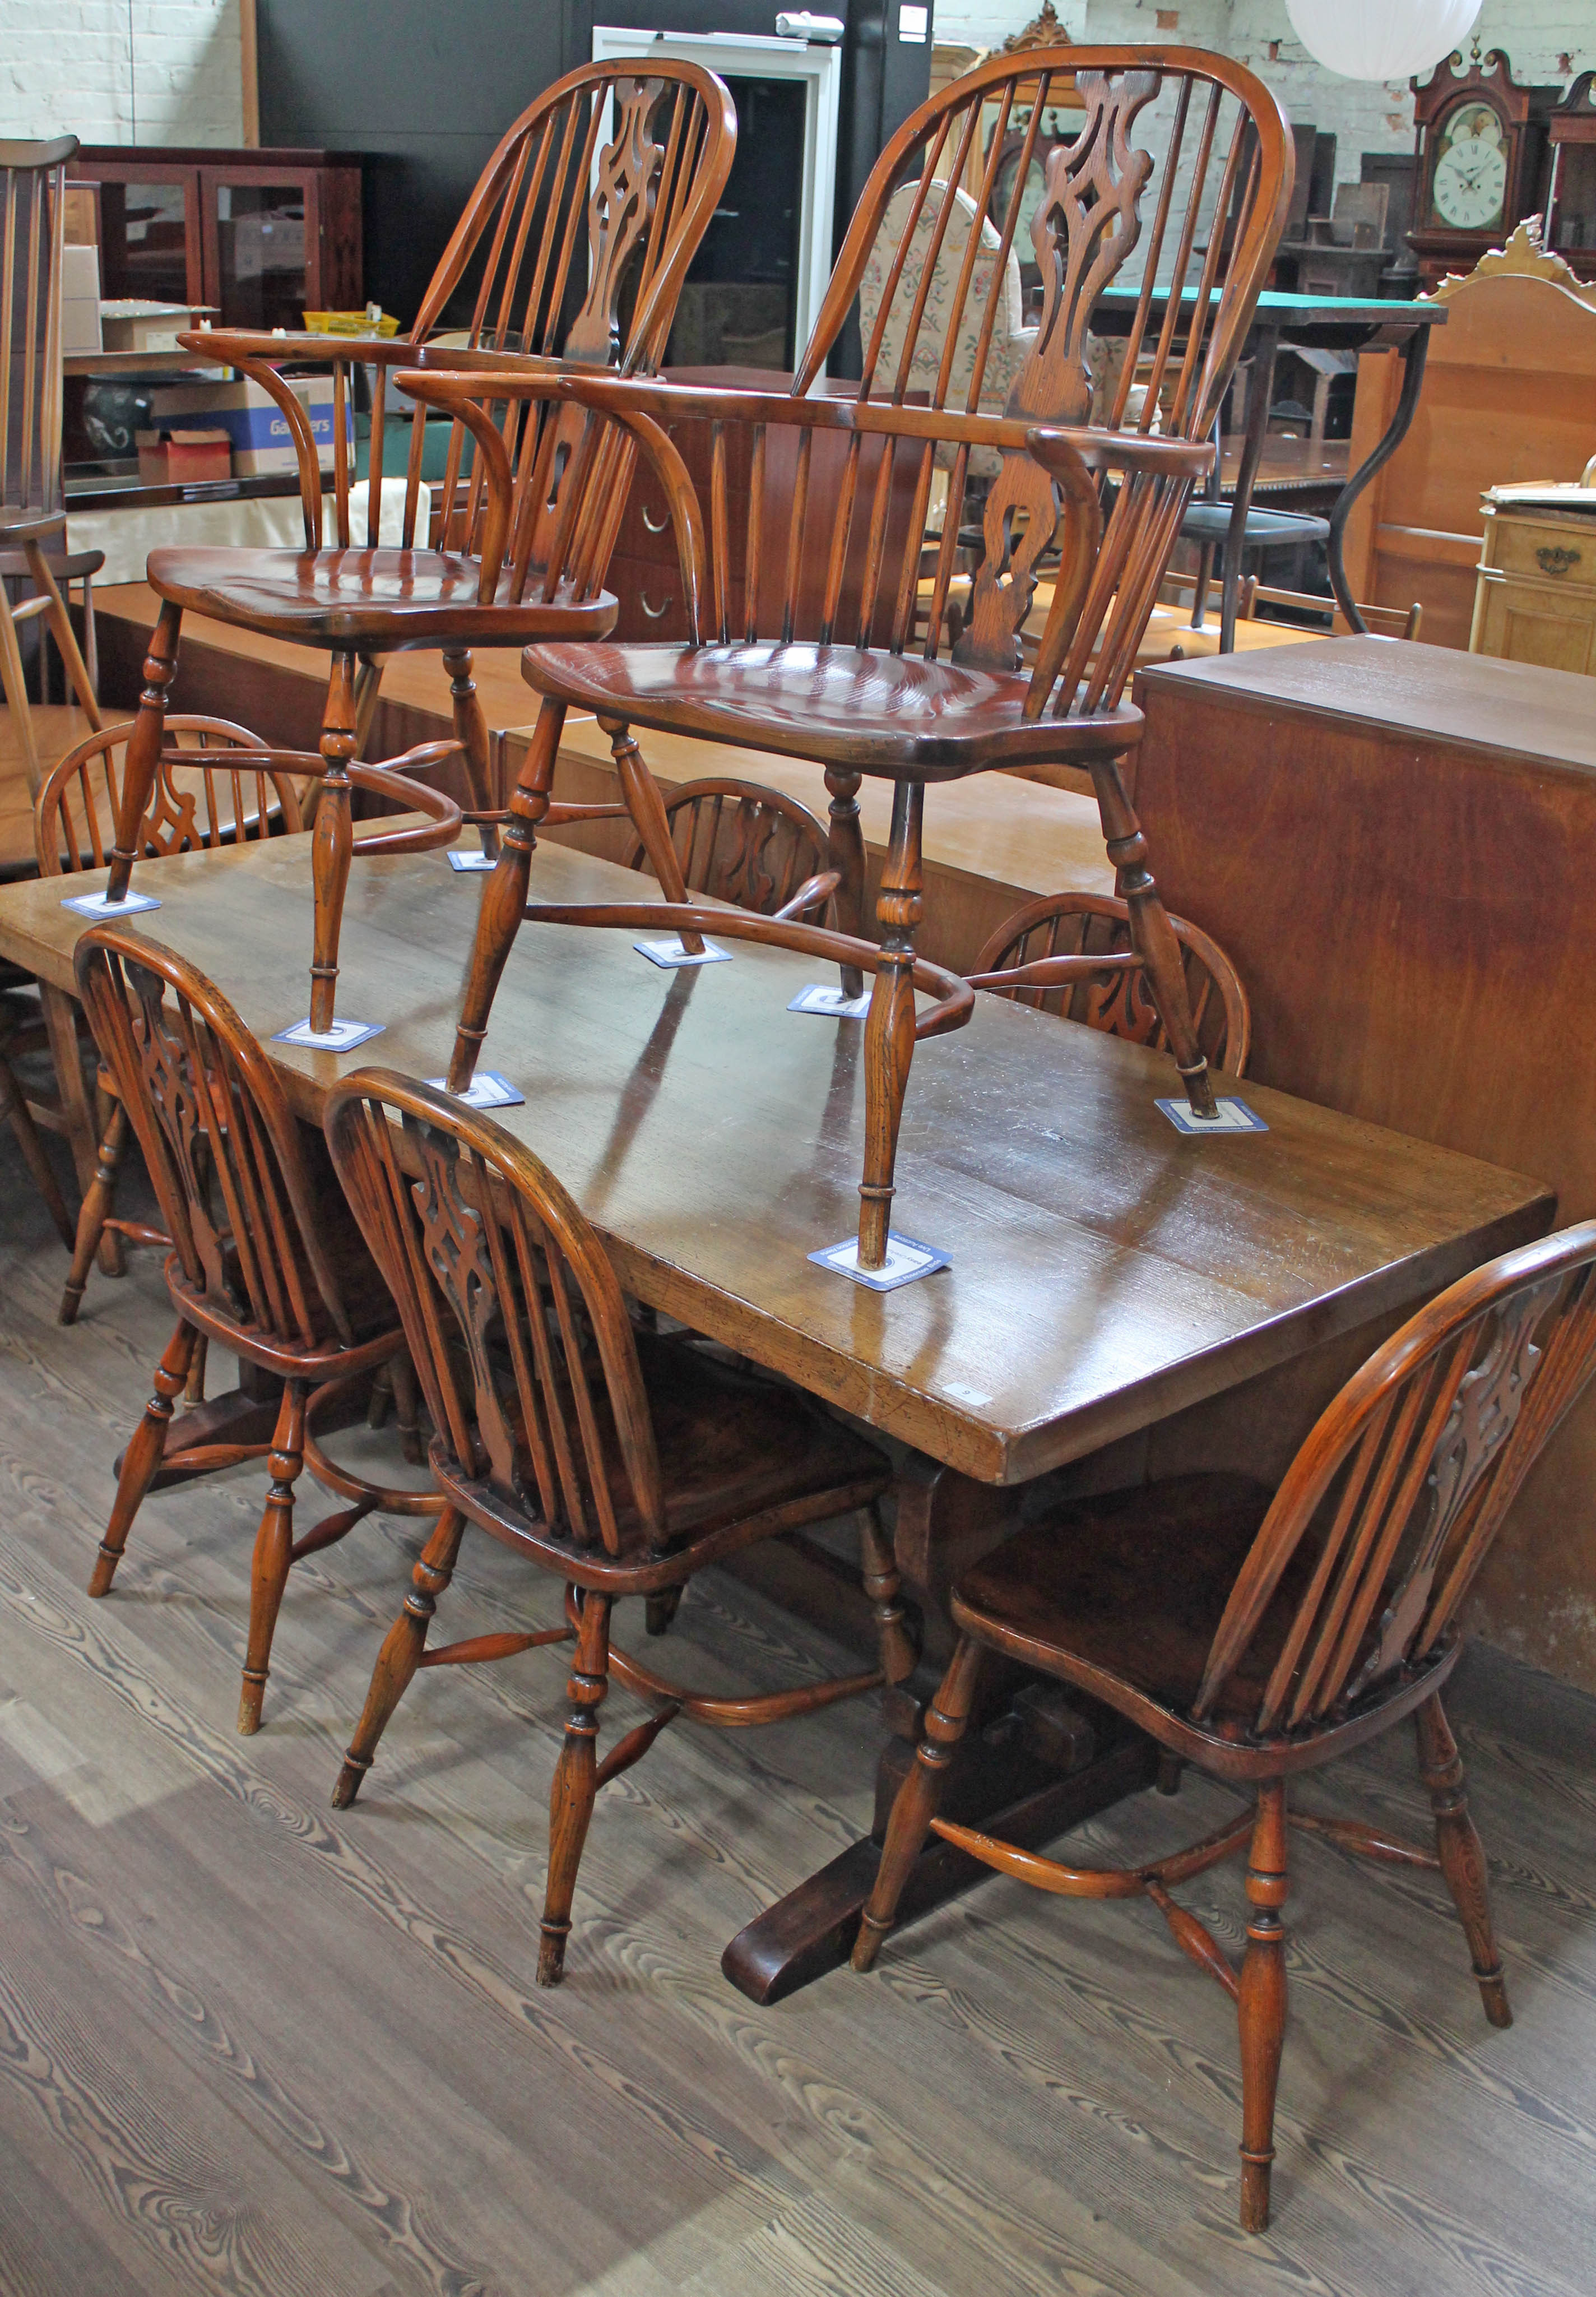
811 650
1260 1635
265 1258
204 796
32 513
620 1461
1070 954
575 243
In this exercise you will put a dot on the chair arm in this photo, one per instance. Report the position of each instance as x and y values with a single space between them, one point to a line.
392 780
1057 972
812 894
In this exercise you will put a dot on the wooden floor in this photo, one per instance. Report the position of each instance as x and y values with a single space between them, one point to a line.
246 2045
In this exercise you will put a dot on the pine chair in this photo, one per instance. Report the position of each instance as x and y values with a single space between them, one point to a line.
203 795
1260 1635
1069 954
620 1461
601 191
814 656
31 501
266 1260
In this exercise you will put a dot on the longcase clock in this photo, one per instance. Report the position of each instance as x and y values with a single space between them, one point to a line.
1483 156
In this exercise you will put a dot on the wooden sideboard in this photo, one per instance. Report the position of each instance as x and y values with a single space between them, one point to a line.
1536 595
1396 843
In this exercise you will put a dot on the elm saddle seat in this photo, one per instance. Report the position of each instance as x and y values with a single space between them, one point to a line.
329 597
866 712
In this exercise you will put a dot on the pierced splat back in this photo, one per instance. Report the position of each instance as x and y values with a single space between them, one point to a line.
513 1315
1172 146
203 796
1390 1506
236 1193
740 842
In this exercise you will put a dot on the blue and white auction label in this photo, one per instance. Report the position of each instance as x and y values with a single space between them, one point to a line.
487 1090
461 857
1234 1116
99 905
830 1003
670 953
907 1261
342 1037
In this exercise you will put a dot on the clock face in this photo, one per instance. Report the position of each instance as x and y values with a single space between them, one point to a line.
1470 182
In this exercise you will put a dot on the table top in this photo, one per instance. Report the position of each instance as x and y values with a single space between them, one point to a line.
1105 1269
1396 686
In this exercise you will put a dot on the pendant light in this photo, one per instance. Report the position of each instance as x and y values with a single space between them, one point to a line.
1380 39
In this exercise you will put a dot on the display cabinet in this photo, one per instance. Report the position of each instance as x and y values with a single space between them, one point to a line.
262 236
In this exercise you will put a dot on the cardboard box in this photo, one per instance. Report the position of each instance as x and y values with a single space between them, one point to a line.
193 457
79 301
262 441
135 326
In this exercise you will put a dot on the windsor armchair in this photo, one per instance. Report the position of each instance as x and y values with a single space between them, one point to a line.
832 672
1069 954
620 1461
1260 1635
203 795
32 179
739 842
266 1259
566 212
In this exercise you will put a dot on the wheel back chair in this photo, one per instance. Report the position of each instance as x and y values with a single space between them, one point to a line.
1260 1635
216 784
619 1460
1070 954
32 513
577 236
266 1260
816 656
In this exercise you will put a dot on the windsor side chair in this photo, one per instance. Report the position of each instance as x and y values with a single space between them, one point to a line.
619 1460
1070 953
266 1259
1259 1636
597 197
203 794
831 672
32 180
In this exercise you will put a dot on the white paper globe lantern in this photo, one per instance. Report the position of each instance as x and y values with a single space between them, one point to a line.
1380 39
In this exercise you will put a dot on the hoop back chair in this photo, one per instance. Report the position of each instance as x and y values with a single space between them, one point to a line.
1259 1636
32 513
620 1461
204 795
596 197
743 842
1069 954
266 1259
828 669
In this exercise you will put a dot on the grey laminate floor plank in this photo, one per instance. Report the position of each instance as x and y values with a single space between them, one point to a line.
315 2038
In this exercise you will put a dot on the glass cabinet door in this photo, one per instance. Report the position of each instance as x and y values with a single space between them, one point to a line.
257 242
149 235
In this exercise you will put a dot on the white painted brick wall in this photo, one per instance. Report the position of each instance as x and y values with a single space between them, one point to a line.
122 71
1547 40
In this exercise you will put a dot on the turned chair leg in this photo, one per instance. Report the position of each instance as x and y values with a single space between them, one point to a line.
649 819
845 852
917 1798
274 1552
504 895
570 1802
1152 936
14 1110
1260 2009
406 1409
96 1211
18 699
471 731
889 1026
194 1392
1461 1853
142 759
143 1456
401 1652
882 1584
331 842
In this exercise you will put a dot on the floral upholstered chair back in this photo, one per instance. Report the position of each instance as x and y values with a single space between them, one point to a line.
1012 340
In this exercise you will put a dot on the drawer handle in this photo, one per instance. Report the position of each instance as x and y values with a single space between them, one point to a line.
658 526
1553 558
654 612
